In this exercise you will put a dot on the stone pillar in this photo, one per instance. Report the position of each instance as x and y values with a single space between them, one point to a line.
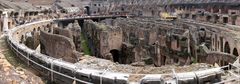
5 21
21 13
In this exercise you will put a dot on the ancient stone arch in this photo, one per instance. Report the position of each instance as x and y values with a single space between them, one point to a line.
34 30
227 48
235 52
38 29
16 14
87 11
225 19
115 54
209 17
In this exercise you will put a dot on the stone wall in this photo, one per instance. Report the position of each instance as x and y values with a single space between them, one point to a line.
159 43
136 42
58 46
63 32
101 40
32 39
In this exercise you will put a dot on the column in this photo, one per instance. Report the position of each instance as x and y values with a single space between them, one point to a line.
5 21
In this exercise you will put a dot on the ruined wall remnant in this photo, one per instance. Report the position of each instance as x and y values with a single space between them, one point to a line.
58 46
156 42
62 42
102 39
133 41
63 32
32 39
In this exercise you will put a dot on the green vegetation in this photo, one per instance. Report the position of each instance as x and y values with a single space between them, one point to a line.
15 61
194 60
84 45
10 56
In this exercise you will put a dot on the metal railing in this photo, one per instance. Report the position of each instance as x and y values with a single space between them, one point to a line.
49 69
237 77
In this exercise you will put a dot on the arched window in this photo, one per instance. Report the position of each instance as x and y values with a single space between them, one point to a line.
227 48
116 55
235 52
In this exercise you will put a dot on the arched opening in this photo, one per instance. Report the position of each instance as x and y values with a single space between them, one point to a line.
115 54
194 17
209 18
31 13
25 14
35 13
235 52
38 29
225 19
87 10
16 15
227 48
153 12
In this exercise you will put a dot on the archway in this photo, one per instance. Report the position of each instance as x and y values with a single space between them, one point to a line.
87 10
225 19
38 29
25 14
227 48
235 52
115 54
194 17
16 14
208 18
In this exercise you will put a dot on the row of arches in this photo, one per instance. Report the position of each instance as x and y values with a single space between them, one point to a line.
227 49
222 45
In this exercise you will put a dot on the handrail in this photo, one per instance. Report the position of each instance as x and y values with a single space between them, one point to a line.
46 67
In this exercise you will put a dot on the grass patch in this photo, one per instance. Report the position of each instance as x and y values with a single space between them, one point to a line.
15 61
84 45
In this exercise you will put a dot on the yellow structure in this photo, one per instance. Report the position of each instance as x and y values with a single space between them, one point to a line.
167 16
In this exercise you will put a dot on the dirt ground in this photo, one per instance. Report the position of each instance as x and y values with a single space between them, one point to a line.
102 64
12 71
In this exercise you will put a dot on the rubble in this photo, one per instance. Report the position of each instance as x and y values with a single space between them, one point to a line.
102 64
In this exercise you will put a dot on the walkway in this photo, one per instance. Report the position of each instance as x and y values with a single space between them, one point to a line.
11 71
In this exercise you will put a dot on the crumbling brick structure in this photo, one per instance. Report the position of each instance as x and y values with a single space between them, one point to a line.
151 41
138 41
62 43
